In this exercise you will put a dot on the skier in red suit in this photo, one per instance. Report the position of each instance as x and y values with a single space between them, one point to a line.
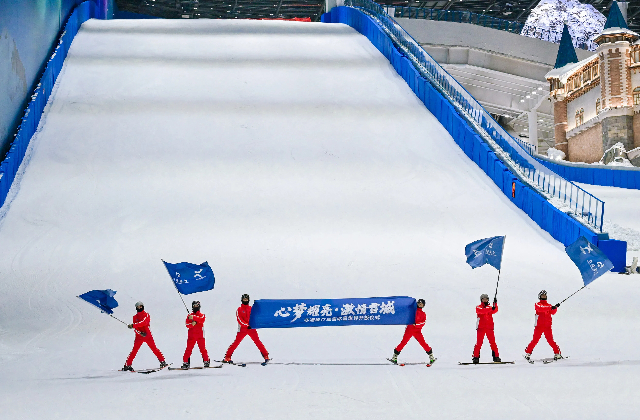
414 330
544 311
485 327
243 314
195 325
140 325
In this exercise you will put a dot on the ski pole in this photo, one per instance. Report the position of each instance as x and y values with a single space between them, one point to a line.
174 285
575 292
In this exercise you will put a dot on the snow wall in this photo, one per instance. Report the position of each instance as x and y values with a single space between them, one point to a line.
40 95
609 177
561 226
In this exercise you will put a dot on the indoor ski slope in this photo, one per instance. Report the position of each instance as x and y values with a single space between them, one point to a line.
293 159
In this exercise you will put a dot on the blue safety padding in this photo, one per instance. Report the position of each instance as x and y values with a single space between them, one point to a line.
498 172
518 200
616 251
491 159
507 183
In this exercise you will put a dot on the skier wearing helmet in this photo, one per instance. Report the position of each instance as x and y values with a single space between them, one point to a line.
484 326
414 330
243 314
195 325
544 311
141 322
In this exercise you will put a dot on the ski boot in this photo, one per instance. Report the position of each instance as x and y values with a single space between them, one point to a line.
431 358
207 363
185 365
227 360
127 368
496 359
475 360
266 361
394 358
163 364
528 357
557 356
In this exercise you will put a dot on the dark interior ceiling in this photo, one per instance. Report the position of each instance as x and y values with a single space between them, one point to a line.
514 10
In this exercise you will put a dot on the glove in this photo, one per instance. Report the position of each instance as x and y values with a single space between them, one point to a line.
248 327
556 306
193 323
130 326
142 333
493 307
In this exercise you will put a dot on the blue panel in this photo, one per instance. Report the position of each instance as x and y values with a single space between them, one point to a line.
491 161
616 251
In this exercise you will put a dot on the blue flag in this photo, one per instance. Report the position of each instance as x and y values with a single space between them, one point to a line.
191 278
591 262
485 251
103 299
290 313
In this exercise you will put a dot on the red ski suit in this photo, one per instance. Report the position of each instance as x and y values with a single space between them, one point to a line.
415 330
544 311
485 327
243 314
141 322
195 335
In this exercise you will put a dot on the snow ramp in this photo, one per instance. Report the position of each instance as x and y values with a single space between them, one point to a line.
293 158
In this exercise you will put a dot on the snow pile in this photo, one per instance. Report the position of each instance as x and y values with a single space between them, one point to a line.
547 19
616 155
555 154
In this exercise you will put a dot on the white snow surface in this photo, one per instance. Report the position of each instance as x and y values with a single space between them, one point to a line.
294 159
547 20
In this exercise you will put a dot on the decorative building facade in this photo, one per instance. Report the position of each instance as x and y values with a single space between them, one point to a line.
596 101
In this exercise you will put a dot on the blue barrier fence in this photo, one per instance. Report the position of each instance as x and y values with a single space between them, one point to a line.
594 175
491 159
33 113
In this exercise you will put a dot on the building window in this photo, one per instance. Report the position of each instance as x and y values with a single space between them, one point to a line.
579 116
598 107
636 56
636 96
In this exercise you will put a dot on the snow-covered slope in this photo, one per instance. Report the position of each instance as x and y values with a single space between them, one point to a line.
547 19
295 160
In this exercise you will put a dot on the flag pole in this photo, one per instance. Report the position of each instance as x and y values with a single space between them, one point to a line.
575 292
501 254
174 285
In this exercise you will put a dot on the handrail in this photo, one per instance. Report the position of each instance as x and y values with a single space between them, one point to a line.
516 154
464 16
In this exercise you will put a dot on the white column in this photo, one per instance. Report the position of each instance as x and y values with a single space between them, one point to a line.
533 127
329 4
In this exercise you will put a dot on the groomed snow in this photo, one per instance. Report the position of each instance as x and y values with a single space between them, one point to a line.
295 160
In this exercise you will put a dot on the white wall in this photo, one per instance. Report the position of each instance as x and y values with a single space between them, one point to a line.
586 101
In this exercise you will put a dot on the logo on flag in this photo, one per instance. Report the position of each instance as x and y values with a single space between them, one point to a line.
485 251
591 262
191 278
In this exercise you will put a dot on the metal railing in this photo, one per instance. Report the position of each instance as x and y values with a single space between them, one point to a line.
462 16
516 154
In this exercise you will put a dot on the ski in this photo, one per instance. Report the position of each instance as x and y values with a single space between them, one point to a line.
548 360
266 361
232 363
146 371
428 364
486 363
197 367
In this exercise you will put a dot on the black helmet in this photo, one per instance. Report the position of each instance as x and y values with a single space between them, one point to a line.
245 297
422 301
195 304
542 292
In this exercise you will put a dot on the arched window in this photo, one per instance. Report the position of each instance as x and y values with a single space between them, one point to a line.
579 116
598 107
636 96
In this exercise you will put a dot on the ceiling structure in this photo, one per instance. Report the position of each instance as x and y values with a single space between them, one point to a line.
514 10
225 9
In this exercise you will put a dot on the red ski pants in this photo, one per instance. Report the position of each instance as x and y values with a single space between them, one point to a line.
412 331
492 341
240 336
548 334
136 346
191 342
